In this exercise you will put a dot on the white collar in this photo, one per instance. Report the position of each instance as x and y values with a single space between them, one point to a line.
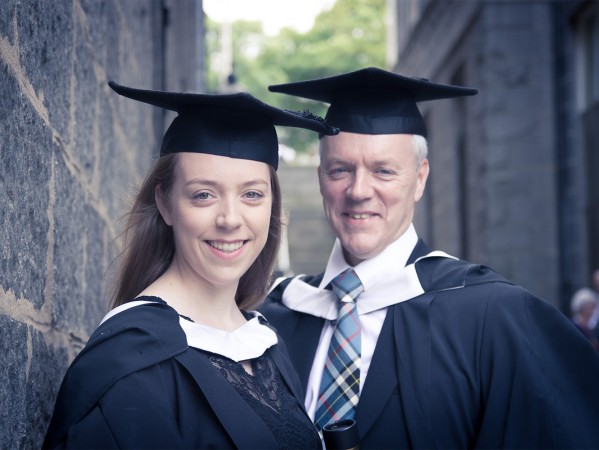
374 270
386 279
404 285
249 341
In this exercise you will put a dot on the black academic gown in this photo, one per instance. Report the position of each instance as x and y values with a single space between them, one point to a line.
137 384
474 362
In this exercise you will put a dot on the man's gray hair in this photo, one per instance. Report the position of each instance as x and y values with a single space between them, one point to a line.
420 149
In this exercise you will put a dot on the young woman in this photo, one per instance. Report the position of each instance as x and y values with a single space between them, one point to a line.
181 361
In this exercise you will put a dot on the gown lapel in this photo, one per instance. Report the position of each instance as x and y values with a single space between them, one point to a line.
413 361
386 367
240 421
420 249
381 380
302 336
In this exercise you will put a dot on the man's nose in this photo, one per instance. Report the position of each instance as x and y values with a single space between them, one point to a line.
360 187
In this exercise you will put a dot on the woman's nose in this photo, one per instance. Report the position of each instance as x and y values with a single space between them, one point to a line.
229 216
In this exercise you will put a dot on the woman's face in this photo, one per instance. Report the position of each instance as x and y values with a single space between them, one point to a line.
219 209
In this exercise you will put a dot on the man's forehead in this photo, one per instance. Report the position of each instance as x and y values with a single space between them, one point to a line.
371 148
366 142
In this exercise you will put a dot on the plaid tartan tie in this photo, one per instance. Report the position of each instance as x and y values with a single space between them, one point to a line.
340 385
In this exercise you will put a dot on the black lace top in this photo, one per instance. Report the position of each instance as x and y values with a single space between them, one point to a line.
266 392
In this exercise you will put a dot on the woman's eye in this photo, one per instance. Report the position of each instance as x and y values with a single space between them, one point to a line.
201 196
253 195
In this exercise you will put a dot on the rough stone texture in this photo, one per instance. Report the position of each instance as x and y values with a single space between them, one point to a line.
24 177
29 372
14 347
70 151
498 192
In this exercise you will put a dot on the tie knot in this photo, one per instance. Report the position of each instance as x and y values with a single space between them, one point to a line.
347 286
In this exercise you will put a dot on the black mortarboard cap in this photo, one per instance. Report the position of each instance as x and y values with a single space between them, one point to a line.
234 125
372 100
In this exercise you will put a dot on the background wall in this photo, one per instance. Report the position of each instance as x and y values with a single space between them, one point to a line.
513 168
70 151
309 236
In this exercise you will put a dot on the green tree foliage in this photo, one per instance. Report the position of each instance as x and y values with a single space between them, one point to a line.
349 36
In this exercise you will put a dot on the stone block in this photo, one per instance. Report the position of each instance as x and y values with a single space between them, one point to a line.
45 38
47 366
25 170
79 297
13 373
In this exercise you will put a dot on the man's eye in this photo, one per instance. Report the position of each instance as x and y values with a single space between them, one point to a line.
338 170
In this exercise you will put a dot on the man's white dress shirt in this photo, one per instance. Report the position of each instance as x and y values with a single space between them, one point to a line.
386 281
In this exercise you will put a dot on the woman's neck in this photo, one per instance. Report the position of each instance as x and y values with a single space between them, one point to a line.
202 302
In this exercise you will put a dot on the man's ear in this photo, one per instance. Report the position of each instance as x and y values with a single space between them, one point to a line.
162 204
318 172
421 178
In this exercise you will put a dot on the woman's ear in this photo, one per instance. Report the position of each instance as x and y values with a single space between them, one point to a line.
162 204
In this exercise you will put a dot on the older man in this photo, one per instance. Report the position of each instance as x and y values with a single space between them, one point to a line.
423 350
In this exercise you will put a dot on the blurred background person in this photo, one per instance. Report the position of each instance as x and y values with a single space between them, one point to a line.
585 306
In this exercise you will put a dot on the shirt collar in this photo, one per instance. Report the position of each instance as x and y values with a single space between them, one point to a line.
374 270
385 278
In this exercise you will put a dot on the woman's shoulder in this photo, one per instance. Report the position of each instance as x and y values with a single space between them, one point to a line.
145 323
134 338
131 340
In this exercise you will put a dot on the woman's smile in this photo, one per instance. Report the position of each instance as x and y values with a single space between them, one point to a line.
227 247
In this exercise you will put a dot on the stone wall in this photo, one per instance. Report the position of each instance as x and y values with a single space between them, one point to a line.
70 152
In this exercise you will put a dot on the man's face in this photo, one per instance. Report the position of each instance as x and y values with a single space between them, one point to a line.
369 185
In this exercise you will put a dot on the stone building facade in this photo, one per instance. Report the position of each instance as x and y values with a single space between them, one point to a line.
70 152
512 181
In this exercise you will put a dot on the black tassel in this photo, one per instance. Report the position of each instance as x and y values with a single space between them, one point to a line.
306 114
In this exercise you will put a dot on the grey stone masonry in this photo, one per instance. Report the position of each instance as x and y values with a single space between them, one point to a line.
71 150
